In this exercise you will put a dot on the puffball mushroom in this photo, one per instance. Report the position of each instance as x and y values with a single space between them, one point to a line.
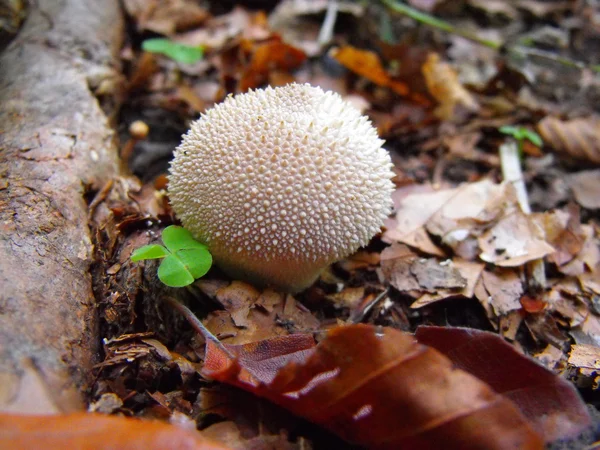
281 182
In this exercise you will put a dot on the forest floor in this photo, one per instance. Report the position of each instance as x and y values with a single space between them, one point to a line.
490 112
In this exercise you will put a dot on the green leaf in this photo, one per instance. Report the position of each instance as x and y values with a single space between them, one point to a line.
533 137
178 238
196 260
522 133
185 259
152 251
173 272
179 52
511 131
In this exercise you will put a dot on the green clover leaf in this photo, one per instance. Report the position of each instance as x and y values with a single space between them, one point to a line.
149 252
185 259
521 134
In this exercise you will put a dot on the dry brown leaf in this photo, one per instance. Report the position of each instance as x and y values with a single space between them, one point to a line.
368 65
590 282
145 67
470 271
551 357
349 297
504 288
237 299
579 138
166 16
457 216
443 84
544 328
473 208
108 403
509 324
413 212
375 387
218 31
251 315
396 262
273 55
432 274
428 279
464 145
513 241
563 231
586 188
584 361
97 432
191 97
294 20
588 332
569 306
549 401
588 258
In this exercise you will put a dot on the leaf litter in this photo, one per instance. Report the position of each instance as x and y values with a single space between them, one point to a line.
458 250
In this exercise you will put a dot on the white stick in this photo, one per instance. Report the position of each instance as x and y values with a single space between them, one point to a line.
511 171
326 32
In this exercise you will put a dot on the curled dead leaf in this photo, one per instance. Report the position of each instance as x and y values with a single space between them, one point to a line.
586 188
443 84
550 402
579 138
375 387
97 432
368 65
266 57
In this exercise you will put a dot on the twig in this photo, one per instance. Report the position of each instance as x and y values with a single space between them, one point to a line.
326 32
512 173
359 313
542 54
434 22
197 325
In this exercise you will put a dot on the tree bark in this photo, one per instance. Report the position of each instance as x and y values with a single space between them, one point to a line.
56 147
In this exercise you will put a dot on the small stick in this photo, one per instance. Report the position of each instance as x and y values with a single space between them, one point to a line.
359 313
511 171
197 325
434 22
326 32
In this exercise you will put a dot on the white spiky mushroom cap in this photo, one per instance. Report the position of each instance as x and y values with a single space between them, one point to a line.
281 182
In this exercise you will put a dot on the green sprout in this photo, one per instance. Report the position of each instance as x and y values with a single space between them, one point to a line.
182 53
185 259
521 134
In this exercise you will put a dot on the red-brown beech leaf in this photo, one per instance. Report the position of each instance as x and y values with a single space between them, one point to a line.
96 432
551 403
376 387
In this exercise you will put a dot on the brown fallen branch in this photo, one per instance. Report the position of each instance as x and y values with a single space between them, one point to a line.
56 146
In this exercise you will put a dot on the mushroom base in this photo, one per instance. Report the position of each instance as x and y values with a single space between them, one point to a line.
287 276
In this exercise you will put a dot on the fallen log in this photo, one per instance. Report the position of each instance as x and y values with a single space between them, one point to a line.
56 148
